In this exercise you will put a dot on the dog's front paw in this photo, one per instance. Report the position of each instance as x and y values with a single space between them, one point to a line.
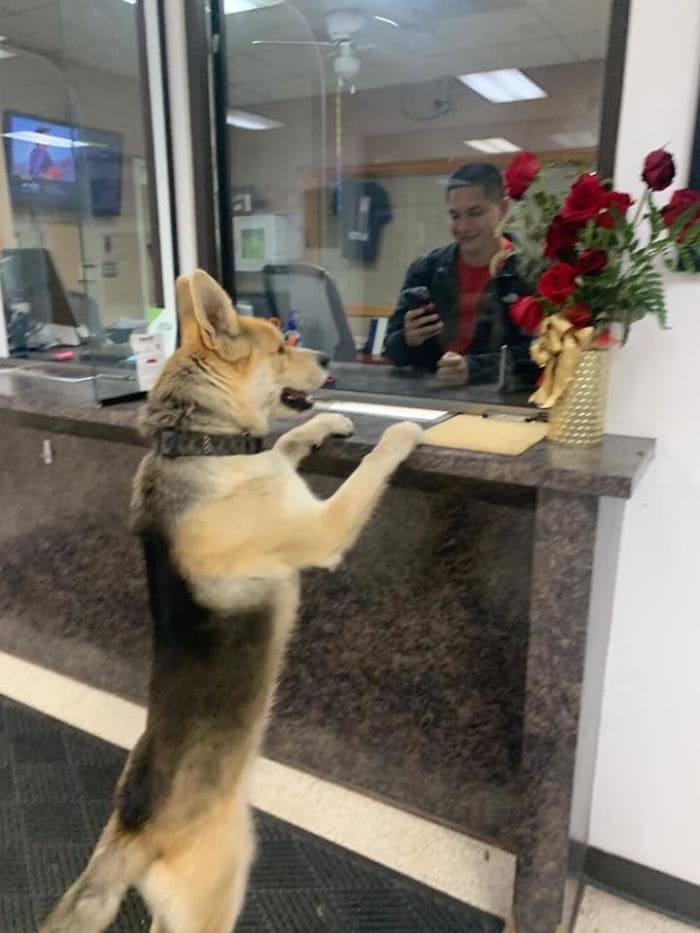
328 424
340 426
400 439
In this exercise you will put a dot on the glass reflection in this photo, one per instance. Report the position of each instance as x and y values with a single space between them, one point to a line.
80 281
349 188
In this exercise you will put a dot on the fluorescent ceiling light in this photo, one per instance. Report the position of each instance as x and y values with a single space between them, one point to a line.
243 6
503 85
251 121
45 139
492 145
132 2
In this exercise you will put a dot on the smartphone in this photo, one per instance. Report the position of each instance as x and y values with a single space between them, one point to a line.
417 297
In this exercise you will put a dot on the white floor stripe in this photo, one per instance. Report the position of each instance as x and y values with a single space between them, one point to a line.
453 863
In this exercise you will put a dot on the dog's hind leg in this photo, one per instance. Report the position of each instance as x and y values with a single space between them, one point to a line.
200 886
91 902
299 442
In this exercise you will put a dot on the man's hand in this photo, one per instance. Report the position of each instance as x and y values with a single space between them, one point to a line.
453 369
419 324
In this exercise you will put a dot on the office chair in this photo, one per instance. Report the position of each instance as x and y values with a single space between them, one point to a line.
31 274
312 293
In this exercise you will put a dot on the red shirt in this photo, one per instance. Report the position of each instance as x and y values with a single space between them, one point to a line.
471 282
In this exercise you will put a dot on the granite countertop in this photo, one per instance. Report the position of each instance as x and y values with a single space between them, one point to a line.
612 469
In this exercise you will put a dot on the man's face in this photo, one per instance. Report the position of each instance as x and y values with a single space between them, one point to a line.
474 218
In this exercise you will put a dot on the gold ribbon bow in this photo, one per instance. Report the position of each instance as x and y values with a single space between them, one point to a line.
558 349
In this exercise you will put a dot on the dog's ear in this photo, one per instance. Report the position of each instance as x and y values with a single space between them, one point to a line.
212 308
189 331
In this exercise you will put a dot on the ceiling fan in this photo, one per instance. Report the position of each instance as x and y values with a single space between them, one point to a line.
343 28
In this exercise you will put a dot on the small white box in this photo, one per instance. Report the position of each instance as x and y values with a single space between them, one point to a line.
265 238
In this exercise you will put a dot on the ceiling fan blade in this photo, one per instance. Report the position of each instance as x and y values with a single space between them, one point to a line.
288 42
386 21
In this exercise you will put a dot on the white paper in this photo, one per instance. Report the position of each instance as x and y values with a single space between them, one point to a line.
150 356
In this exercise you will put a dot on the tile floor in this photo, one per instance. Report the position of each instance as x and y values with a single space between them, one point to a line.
469 870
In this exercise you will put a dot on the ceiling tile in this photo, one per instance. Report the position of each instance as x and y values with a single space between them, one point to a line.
114 57
487 29
404 41
240 94
588 46
84 22
37 30
574 16
23 6
528 54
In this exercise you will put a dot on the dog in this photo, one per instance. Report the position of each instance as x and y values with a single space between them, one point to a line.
226 529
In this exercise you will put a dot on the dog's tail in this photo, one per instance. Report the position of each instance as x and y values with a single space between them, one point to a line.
91 903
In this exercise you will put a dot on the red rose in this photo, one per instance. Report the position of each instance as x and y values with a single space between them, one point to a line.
659 170
561 237
526 313
557 283
605 339
586 198
682 200
616 203
521 173
579 315
591 261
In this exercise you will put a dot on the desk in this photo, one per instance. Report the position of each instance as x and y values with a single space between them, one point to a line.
453 665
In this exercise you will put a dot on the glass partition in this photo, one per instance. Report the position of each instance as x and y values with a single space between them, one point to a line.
79 248
345 127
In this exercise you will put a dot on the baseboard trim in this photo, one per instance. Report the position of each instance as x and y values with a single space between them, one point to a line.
646 886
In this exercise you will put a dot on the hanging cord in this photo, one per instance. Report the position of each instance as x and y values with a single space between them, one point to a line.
339 143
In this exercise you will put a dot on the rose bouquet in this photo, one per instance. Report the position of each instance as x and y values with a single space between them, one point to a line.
594 260
591 257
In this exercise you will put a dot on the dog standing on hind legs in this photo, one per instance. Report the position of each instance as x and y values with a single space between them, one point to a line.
225 535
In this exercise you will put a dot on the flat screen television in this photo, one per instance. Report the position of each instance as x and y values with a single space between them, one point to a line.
62 166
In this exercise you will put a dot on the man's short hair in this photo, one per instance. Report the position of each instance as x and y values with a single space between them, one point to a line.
479 173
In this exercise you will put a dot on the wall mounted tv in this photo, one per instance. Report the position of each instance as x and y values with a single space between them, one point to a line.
60 166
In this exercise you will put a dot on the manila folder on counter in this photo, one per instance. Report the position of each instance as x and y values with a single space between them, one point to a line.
487 435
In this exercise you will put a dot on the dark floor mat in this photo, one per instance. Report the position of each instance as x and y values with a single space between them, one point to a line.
55 786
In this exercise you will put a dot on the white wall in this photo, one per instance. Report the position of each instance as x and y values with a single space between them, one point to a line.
647 792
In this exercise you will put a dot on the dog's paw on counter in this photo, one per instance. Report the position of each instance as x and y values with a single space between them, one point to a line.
400 439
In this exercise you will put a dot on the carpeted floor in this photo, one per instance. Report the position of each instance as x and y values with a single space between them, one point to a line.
55 786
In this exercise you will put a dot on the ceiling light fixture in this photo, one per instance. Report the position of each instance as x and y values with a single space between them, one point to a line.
251 121
493 145
45 139
502 86
244 6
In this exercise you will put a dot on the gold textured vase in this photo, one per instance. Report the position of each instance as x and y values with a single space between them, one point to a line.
578 418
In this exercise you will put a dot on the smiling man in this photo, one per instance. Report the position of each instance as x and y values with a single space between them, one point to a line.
461 331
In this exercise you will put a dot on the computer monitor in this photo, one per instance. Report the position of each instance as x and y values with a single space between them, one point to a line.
62 166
